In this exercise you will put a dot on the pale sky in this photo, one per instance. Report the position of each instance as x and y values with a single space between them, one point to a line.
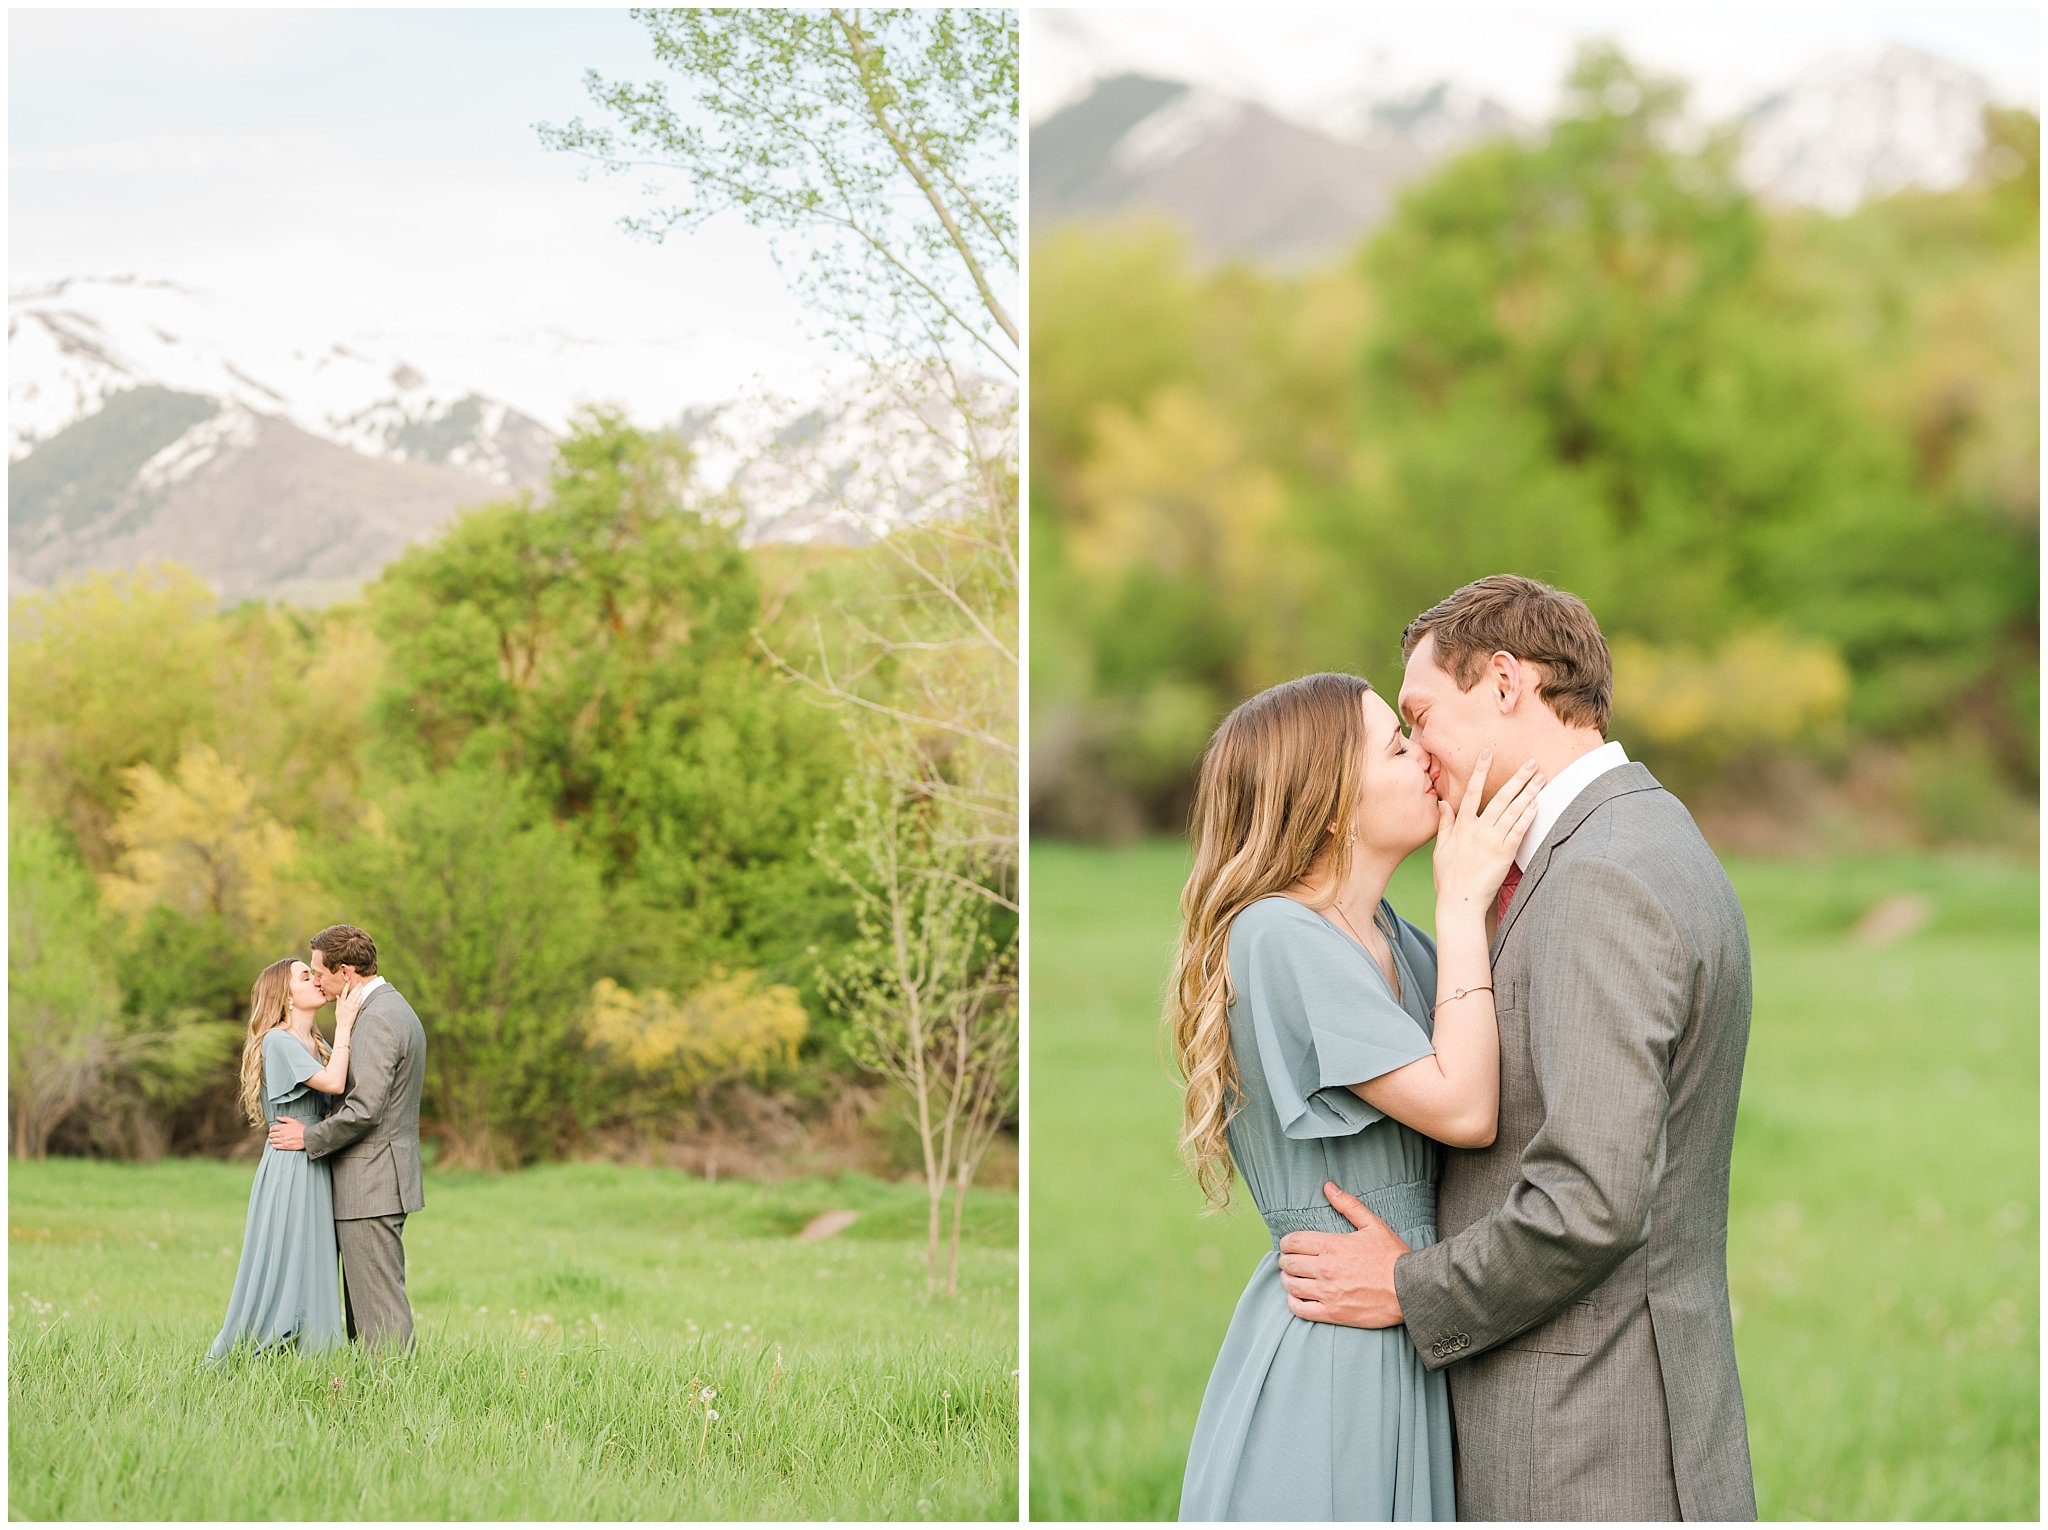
1306 61
377 173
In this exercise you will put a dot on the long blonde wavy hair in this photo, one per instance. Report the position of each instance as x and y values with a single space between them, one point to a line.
270 1005
1280 772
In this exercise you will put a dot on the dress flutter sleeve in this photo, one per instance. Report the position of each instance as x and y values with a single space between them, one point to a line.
1322 1020
286 1067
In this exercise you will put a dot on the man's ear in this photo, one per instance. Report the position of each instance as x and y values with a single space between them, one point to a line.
1506 675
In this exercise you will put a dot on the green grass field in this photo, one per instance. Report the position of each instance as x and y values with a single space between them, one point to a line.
1883 1237
569 1319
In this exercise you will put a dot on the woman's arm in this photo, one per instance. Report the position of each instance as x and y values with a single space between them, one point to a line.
1454 1094
333 1078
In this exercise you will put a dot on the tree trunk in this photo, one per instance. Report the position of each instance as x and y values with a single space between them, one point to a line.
935 1193
960 1180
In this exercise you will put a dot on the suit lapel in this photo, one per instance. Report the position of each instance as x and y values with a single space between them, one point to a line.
1619 782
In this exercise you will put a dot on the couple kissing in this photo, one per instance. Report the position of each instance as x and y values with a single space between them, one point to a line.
1494 1164
340 1169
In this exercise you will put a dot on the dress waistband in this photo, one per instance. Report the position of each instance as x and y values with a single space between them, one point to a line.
1405 1208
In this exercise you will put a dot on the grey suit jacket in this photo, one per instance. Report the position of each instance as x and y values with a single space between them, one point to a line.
374 1138
1580 1293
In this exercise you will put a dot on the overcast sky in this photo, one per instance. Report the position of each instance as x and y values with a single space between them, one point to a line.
378 173
1306 60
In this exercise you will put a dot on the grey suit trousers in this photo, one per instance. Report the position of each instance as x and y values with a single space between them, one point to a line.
373 1279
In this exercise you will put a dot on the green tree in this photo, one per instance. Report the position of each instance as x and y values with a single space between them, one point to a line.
597 647
491 923
293 692
107 672
65 1039
104 1066
885 138
185 980
737 780
928 992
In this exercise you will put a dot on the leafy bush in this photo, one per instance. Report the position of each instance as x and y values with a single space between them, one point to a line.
490 922
736 1026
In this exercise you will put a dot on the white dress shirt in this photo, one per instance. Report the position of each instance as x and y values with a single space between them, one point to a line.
1561 790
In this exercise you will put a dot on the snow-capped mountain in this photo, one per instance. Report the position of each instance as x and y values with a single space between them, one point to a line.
1246 179
1865 125
73 345
150 422
1241 179
147 421
862 461
1440 117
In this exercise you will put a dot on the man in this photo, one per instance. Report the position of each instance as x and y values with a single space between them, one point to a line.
373 1138
1579 1298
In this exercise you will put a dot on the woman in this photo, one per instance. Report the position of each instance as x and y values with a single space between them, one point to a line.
288 1285
1324 1038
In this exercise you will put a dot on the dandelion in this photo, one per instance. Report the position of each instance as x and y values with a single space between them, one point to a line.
710 1418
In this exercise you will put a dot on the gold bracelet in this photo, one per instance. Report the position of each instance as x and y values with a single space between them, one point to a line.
1461 993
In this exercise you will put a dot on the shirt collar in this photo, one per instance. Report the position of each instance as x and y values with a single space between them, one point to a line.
370 987
1562 790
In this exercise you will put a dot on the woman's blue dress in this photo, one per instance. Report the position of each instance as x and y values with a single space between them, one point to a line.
1301 1420
288 1285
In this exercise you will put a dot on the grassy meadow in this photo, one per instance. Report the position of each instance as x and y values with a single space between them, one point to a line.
570 1319
1883 1237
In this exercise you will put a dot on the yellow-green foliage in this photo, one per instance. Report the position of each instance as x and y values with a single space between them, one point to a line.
734 1026
1762 690
199 843
110 670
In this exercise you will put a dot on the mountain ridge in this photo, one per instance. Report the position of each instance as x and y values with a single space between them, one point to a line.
150 421
1247 181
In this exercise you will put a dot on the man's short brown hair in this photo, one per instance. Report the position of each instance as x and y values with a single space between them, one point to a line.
1538 625
346 946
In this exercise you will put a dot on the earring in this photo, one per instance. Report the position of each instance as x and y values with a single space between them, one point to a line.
1350 839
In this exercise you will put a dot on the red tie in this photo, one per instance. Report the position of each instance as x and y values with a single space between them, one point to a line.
1507 893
